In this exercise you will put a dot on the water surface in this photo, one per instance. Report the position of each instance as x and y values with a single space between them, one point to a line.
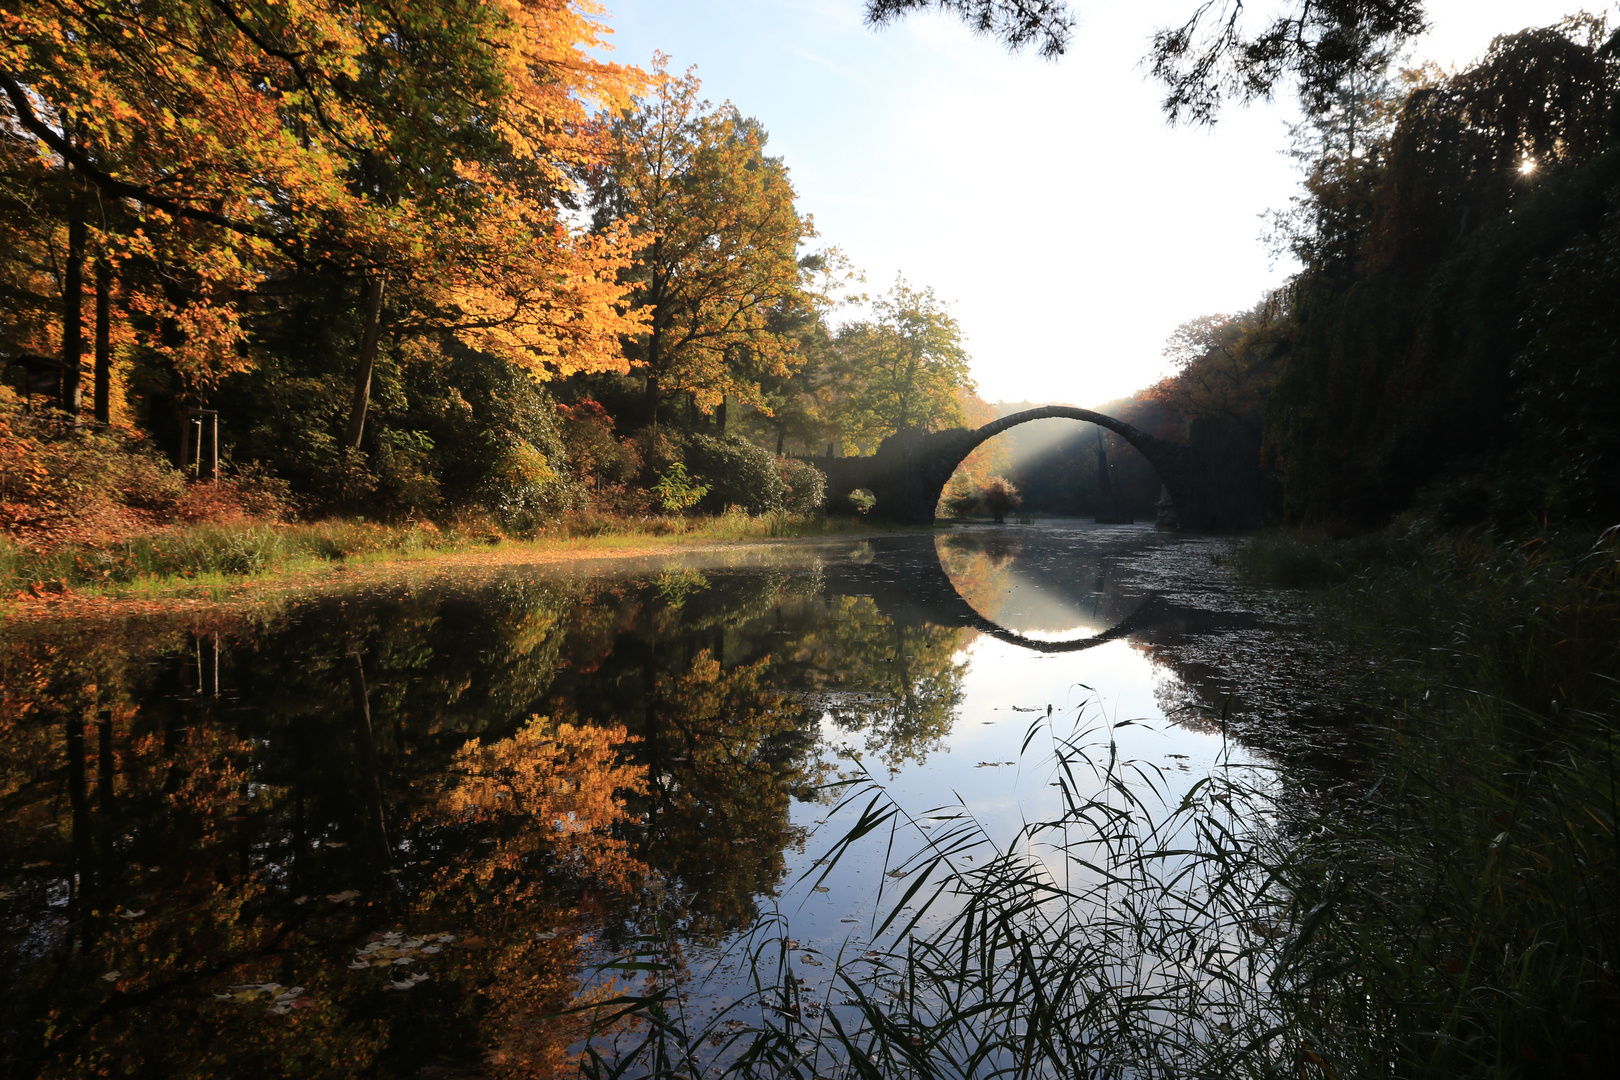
397 832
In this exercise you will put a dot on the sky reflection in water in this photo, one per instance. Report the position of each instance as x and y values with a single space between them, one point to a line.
361 855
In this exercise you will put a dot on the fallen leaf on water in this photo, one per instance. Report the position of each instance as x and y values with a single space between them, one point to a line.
336 844
302 900
343 897
131 914
113 976
545 935
822 888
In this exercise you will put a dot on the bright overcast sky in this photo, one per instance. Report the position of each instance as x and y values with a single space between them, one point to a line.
1069 228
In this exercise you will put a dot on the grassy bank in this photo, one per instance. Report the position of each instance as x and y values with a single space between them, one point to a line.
215 554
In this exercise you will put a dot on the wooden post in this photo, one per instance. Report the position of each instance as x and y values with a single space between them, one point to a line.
200 459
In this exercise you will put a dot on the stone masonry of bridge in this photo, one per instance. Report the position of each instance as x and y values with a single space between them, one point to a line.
911 468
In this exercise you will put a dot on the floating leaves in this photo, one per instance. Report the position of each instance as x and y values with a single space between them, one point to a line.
283 999
128 914
394 948
113 976
343 897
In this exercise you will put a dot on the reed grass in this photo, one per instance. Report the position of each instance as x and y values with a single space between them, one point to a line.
1454 911
1130 934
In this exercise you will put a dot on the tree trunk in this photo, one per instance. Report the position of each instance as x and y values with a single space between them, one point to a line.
652 399
720 416
73 309
103 341
371 794
368 357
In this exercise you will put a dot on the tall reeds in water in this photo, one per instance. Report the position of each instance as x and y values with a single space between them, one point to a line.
1452 911
1128 933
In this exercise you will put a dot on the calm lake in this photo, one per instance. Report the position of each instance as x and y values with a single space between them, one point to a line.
399 832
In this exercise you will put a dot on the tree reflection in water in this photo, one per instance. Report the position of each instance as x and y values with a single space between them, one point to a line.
193 807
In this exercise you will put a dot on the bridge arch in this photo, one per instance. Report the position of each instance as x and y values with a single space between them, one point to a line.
926 594
911 467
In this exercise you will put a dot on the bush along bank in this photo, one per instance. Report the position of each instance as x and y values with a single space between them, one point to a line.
96 507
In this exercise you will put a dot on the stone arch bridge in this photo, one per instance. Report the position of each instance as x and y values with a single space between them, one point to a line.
911 468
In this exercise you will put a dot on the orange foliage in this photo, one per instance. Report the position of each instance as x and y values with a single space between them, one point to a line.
552 794
226 142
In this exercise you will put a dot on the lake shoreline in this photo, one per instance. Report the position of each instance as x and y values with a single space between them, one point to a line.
217 592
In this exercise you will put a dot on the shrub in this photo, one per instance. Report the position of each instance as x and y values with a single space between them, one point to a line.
736 472
806 485
678 492
859 501
604 463
1000 498
960 502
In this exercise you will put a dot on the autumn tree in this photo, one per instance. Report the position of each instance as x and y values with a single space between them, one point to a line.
430 145
904 368
1224 366
722 238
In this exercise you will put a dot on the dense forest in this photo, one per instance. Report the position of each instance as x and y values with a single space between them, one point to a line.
548 285
553 286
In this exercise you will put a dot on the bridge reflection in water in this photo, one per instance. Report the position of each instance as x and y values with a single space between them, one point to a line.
973 576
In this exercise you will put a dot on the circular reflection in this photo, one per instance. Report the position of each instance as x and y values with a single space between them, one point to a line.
1040 598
